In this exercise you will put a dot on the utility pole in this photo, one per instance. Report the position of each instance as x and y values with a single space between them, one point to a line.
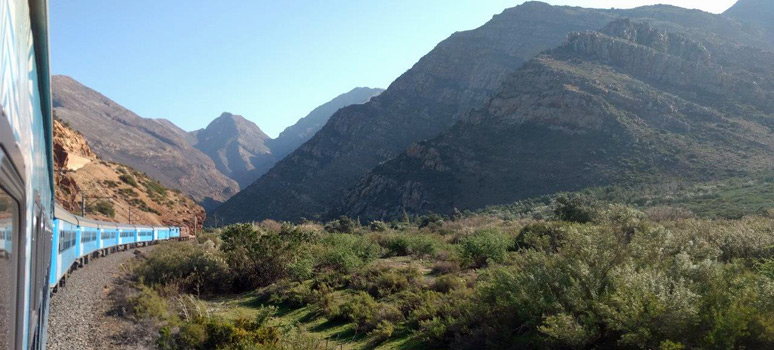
196 224
130 215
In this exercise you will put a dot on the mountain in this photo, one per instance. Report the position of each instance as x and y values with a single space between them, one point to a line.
296 135
188 137
119 135
459 75
756 12
237 146
456 76
82 173
631 104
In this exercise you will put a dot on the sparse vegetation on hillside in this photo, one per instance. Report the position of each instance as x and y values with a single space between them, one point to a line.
103 207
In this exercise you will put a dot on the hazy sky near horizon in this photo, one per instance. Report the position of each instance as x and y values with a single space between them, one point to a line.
270 61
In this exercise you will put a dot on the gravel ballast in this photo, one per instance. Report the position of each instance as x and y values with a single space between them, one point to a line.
79 317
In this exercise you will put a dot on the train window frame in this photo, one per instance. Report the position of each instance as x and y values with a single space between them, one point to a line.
12 185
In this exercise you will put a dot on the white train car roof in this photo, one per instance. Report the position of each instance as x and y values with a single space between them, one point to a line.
62 214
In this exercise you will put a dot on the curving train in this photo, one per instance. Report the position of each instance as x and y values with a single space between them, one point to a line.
39 242
76 240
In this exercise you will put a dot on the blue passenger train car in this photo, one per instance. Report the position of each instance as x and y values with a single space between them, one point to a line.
77 239
39 244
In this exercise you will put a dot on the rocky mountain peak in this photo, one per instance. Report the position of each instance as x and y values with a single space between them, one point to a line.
228 126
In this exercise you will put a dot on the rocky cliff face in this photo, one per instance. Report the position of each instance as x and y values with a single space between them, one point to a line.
629 104
458 75
118 135
80 172
237 146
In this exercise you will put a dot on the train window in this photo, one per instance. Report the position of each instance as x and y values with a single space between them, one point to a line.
9 218
66 239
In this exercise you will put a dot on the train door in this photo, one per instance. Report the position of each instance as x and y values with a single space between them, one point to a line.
11 254
41 243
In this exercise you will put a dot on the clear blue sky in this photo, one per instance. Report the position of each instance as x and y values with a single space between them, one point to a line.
272 61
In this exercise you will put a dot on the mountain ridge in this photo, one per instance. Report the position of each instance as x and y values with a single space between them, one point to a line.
117 134
457 75
629 104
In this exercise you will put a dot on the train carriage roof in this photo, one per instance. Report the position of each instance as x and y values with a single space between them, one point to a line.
62 214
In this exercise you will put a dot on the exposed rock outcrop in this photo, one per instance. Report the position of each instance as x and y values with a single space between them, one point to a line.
79 172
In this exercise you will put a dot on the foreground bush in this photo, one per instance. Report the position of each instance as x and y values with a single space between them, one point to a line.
485 246
625 283
346 252
188 267
258 258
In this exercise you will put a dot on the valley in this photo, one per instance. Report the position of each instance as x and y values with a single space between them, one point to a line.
556 178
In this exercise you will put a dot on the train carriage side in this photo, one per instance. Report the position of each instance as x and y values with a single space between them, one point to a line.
26 173
144 234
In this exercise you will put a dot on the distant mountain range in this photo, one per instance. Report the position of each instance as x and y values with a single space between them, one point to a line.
338 171
156 148
244 153
210 164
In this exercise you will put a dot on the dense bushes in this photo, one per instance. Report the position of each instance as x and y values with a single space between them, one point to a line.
189 267
258 258
621 284
603 277
485 246
346 253
404 244
217 333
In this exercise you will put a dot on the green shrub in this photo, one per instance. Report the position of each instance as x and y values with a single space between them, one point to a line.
448 283
377 226
218 333
187 266
261 258
149 304
294 294
155 189
545 236
485 246
431 221
383 281
575 208
445 267
346 253
128 179
341 225
405 244
383 331
367 313
103 207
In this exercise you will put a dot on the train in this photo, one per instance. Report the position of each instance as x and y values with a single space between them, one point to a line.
40 243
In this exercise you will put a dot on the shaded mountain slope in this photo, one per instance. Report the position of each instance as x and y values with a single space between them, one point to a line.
757 13
631 104
296 135
118 135
458 75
